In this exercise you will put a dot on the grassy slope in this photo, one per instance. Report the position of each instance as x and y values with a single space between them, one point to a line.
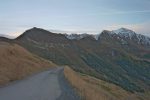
16 63
94 89
96 60
107 59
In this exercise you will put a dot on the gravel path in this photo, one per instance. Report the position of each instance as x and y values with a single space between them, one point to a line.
47 85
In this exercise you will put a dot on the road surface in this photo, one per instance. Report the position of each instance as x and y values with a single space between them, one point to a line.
47 85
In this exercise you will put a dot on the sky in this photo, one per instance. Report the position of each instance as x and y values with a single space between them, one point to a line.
90 16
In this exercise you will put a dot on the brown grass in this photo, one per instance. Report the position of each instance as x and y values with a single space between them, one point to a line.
16 63
94 89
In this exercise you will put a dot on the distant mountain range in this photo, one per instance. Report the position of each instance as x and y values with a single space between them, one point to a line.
122 34
121 57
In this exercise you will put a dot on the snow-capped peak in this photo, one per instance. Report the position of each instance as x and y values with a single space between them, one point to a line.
129 34
123 32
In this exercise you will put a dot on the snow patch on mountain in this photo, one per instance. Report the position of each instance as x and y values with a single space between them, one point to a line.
129 34
143 39
76 36
123 32
96 36
81 36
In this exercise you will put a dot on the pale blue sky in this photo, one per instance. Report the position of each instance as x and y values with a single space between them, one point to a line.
74 15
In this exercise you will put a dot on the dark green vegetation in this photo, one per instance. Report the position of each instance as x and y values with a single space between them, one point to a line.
108 58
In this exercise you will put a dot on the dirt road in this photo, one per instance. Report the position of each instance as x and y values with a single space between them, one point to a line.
47 85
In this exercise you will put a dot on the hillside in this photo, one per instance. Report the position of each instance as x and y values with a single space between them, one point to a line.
91 88
16 63
111 57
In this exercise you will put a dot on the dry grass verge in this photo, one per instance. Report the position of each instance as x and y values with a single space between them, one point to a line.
16 63
94 89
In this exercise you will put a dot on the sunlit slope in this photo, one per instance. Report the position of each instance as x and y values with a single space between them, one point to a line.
16 63
91 88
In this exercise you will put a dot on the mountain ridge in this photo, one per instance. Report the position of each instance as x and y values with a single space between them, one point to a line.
117 60
82 35
123 34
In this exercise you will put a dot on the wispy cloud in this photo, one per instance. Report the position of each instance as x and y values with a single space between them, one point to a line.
109 12
125 12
